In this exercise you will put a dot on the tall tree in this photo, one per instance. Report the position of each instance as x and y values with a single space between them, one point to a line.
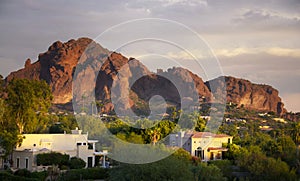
26 99
8 134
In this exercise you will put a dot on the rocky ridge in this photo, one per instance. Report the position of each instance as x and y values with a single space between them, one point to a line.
58 65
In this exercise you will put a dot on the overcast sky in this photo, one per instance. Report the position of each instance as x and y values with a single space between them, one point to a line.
256 40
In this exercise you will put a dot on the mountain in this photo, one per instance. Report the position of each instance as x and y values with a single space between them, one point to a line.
112 74
249 95
56 67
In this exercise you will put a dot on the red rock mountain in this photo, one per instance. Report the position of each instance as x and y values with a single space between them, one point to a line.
253 96
113 72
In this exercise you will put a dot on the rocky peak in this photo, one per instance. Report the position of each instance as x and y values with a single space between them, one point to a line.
58 64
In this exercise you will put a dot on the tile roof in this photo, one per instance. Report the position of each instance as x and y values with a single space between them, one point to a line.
208 134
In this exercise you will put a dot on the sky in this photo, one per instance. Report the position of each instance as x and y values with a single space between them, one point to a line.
255 40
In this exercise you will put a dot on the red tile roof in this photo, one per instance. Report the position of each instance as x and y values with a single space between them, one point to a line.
208 134
218 149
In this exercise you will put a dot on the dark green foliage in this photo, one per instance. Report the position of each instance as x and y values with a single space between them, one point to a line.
225 167
265 168
22 173
63 124
84 174
39 175
170 168
178 166
56 128
6 176
205 172
52 158
76 163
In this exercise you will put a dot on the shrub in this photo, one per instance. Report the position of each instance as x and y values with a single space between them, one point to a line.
52 158
84 174
76 163
23 173
6 176
39 175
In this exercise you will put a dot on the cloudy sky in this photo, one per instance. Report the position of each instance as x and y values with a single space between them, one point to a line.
256 40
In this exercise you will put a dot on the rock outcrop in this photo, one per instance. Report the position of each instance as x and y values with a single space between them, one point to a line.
112 74
249 95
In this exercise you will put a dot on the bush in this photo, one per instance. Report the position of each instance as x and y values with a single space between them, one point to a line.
76 163
6 176
23 173
39 175
84 174
52 158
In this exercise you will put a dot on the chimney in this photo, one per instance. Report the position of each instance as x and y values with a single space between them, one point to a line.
76 131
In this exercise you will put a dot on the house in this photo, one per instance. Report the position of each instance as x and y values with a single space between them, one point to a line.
205 145
75 144
281 120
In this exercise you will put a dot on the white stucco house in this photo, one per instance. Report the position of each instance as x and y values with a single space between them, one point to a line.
75 144
205 145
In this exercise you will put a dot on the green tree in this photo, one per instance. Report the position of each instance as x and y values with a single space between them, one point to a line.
262 167
287 150
200 123
170 168
8 134
295 133
25 100
65 123
204 172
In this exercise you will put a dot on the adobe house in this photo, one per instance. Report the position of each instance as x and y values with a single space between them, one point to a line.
75 144
205 145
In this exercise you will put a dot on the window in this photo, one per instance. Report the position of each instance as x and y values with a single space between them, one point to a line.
26 163
18 162
90 146
228 140
78 144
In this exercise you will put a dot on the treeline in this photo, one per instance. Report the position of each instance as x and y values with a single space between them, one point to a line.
271 154
254 154
24 108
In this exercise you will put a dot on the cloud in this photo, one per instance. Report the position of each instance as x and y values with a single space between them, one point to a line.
185 55
191 3
276 51
267 17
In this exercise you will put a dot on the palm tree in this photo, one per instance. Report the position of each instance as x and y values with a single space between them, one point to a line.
154 135
53 172
100 105
296 132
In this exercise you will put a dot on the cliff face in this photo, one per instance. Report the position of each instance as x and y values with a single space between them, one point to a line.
113 74
252 96
56 67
